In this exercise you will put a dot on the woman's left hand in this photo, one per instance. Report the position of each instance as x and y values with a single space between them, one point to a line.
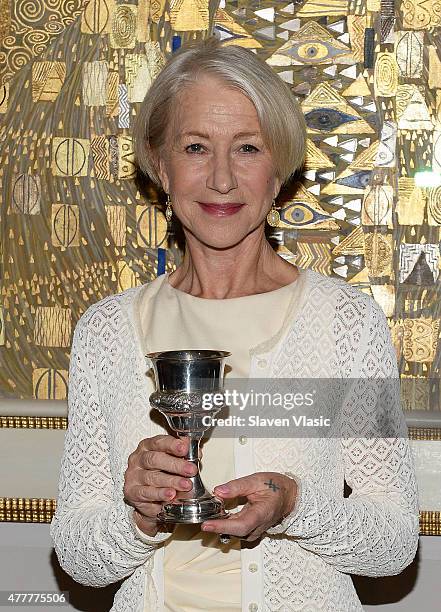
270 497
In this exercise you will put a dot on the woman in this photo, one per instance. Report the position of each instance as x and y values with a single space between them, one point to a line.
221 133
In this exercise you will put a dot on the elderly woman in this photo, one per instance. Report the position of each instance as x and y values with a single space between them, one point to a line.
221 133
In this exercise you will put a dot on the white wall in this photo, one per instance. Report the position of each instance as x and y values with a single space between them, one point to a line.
28 562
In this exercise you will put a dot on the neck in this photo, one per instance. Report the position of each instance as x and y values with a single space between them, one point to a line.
247 268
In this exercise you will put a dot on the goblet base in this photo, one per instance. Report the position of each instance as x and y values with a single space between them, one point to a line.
193 510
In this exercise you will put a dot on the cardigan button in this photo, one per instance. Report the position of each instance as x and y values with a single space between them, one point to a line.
253 607
262 363
253 567
243 439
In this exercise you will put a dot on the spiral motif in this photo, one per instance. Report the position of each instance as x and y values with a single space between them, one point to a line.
73 7
38 49
54 5
29 11
9 41
18 58
35 37
53 27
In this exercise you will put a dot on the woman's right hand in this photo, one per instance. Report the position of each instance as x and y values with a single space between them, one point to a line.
156 471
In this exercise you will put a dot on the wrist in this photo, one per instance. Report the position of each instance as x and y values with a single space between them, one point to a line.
146 525
291 495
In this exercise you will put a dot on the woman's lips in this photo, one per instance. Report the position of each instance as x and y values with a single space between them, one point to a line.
221 210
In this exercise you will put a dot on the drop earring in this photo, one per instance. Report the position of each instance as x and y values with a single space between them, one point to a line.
273 217
168 210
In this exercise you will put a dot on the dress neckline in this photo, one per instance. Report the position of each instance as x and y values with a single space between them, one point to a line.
298 299
187 296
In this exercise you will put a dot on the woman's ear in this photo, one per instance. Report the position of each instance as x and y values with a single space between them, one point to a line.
162 173
277 186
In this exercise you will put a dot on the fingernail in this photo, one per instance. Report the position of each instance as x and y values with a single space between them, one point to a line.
207 528
221 489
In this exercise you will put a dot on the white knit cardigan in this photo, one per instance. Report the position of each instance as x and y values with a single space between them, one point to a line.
302 563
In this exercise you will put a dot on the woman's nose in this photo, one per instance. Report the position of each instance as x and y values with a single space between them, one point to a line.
221 176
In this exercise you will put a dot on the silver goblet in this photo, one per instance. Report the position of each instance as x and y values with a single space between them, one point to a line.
183 380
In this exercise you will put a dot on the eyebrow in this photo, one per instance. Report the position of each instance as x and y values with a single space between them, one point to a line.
207 136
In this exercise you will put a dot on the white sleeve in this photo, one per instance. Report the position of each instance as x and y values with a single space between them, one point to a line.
373 532
94 534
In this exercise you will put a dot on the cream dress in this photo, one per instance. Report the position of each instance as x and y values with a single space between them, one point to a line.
200 574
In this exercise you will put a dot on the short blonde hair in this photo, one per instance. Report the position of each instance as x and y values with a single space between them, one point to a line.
280 116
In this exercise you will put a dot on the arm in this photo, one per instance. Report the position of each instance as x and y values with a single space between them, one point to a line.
374 532
94 532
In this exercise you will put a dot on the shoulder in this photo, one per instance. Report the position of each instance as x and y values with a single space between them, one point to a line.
116 311
111 310
349 302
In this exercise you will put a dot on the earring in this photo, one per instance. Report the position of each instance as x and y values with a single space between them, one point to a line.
273 217
168 210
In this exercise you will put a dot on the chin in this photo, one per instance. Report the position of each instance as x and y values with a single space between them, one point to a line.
224 242
220 239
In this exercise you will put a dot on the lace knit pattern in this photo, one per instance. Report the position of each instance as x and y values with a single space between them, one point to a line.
340 333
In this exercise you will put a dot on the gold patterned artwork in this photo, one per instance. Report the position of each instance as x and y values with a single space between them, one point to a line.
78 223
123 27
100 150
47 80
304 211
26 194
189 15
386 75
415 392
326 97
151 226
411 202
96 17
412 111
378 251
409 48
70 156
52 326
314 252
353 244
385 296
127 168
377 205
49 383
434 206
65 225
315 8
312 44
420 339
434 67
420 14
95 76
117 220
316 159
357 25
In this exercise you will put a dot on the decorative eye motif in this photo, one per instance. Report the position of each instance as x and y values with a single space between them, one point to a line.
300 214
359 180
314 51
327 119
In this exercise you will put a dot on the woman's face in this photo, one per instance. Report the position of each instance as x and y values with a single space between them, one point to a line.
216 168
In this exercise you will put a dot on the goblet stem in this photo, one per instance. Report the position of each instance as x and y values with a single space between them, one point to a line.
198 489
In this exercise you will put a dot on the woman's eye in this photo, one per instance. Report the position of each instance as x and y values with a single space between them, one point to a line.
196 144
251 147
